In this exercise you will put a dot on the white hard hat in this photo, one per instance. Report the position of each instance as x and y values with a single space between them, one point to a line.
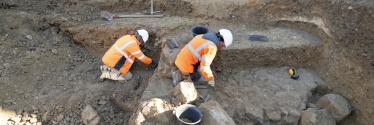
227 36
144 34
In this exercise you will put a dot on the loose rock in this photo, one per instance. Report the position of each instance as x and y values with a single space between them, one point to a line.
314 116
89 116
311 105
214 114
25 118
274 115
10 122
33 120
185 92
16 119
54 51
166 64
29 37
153 111
33 115
337 105
102 102
59 118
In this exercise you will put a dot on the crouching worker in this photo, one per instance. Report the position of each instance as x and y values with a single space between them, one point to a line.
120 57
195 58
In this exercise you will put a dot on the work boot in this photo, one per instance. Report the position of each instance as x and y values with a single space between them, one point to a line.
123 78
117 76
127 76
113 74
104 72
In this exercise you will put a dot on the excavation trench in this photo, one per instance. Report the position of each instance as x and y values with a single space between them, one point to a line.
328 42
252 74
252 83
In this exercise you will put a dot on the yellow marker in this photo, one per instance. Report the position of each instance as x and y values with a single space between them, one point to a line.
293 74
292 71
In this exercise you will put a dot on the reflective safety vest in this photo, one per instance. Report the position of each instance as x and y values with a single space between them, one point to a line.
197 50
122 54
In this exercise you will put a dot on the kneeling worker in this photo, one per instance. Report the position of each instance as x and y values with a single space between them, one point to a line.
120 57
195 58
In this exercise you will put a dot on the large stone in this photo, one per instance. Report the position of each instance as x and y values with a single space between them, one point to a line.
264 95
337 105
185 92
166 64
157 87
153 111
314 116
214 114
16 119
89 116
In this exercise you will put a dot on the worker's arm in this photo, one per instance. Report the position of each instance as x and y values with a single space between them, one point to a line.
207 59
135 51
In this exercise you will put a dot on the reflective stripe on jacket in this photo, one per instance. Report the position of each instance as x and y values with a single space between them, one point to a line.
198 49
123 53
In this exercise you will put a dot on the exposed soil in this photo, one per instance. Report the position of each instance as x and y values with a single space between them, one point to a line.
50 52
51 74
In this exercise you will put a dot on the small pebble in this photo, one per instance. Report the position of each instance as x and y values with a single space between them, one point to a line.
10 122
102 102
24 118
25 114
33 120
16 119
59 118
54 51
29 37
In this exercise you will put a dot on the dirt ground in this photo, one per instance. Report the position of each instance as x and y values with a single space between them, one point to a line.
50 51
54 76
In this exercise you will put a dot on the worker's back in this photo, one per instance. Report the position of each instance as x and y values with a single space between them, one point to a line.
127 44
186 58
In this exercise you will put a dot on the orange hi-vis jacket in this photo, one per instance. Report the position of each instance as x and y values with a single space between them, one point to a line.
197 50
122 54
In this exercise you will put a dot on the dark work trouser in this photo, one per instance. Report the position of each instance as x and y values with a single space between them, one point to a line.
120 63
195 76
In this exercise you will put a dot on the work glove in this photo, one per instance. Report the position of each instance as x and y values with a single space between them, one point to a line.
211 83
153 65
144 49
